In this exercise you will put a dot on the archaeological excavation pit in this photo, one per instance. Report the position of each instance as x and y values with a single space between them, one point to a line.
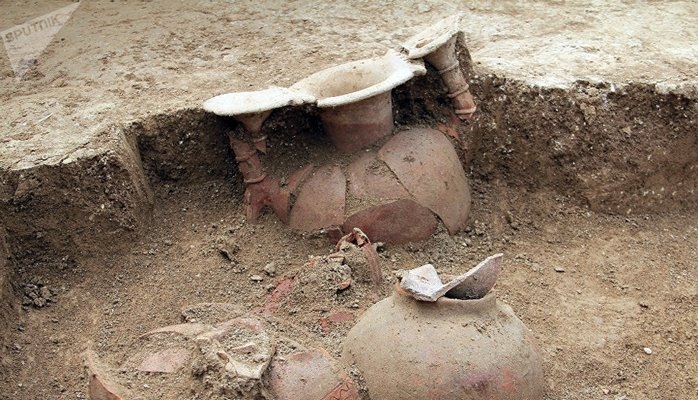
153 249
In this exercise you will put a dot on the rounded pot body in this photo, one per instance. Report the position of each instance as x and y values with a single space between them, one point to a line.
449 349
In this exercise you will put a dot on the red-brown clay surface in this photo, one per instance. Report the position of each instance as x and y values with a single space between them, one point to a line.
370 178
320 202
429 168
397 222
312 375
122 202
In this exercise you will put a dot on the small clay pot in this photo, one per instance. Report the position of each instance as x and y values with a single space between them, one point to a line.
448 349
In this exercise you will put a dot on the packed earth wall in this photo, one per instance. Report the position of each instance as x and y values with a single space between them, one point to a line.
617 150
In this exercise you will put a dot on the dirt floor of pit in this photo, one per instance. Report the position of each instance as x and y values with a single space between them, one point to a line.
596 289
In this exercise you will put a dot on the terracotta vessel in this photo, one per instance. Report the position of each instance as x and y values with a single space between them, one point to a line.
251 109
437 45
393 194
354 98
446 349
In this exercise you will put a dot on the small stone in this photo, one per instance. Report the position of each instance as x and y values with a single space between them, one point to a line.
647 350
606 391
45 293
270 269
259 358
247 348
256 278
228 251
343 285
39 302
559 269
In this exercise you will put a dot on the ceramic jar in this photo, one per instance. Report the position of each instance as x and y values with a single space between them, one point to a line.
447 349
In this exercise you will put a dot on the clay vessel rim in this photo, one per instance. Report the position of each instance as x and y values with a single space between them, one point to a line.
399 70
259 101
403 294
430 39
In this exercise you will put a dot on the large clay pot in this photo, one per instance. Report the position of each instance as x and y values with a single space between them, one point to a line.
447 349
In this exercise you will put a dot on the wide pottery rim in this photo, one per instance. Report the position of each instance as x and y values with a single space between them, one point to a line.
392 68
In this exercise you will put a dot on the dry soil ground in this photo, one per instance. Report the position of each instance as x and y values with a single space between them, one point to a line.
117 194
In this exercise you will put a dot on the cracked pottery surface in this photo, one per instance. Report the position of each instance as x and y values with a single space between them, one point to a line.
428 166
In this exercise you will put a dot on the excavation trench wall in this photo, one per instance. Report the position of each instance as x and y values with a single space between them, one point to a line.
622 150
89 204
627 149
7 304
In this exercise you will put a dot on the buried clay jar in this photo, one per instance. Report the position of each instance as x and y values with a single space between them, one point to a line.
445 349
393 194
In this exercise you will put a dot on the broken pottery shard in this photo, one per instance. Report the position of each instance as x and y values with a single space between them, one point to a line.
311 375
428 167
399 222
478 281
276 298
247 348
100 387
242 344
247 371
423 283
370 178
166 361
359 239
320 203
335 318
188 329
